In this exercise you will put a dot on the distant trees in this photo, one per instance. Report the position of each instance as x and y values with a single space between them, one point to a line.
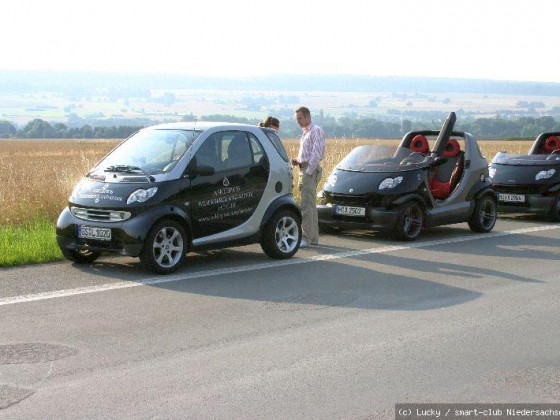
40 129
7 129
343 127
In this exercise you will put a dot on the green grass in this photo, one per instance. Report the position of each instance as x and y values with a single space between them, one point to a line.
28 243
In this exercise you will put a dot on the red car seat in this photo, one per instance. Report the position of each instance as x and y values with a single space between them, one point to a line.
420 144
551 144
447 175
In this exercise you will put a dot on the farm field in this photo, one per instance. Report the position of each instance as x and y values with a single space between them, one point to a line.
38 175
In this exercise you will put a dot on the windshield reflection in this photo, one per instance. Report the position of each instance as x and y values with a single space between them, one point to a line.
151 151
383 158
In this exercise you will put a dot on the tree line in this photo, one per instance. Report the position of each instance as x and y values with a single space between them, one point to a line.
342 127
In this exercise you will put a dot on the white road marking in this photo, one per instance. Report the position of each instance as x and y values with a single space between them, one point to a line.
274 263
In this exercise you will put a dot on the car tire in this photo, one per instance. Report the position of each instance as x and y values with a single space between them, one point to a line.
81 256
409 221
165 247
281 236
484 215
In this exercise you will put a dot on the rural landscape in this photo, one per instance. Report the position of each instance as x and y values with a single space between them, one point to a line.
56 128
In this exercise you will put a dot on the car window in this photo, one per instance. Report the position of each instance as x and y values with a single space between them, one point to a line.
225 150
256 149
275 140
207 154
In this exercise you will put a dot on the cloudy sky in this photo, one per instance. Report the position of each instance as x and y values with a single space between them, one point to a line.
482 39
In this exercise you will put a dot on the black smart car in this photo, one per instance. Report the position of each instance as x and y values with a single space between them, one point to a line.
530 183
410 187
174 188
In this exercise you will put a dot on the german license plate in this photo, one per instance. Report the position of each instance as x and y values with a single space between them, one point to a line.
91 232
512 198
350 211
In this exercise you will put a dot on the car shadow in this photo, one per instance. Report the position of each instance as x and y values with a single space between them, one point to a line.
370 282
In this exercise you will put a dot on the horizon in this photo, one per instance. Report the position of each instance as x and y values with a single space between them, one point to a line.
495 41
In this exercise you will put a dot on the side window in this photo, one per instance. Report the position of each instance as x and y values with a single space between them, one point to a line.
238 151
278 145
256 149
207 154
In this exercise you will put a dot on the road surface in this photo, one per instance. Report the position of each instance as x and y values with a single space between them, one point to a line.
344 330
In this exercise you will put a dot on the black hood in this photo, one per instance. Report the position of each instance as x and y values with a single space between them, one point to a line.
361 183
91 193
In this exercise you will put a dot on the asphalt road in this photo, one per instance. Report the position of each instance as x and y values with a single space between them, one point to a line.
343 330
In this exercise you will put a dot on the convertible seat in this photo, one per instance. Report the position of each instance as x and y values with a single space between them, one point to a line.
448 174
420 144
551 144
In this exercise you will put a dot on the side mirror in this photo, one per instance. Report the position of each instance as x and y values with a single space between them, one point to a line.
205 170
193 170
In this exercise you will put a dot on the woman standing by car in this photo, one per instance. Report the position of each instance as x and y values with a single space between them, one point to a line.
270 122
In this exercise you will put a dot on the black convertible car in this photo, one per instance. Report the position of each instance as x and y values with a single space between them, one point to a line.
530 183
406 188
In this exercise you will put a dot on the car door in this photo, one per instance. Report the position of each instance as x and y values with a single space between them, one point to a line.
225 197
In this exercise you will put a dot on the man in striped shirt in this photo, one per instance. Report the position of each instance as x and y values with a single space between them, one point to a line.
311 150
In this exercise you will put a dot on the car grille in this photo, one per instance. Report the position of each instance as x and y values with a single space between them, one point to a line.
354 200
518 189
141 179
97 215
113 245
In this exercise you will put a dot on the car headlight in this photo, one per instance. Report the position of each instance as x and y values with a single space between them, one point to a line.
491 172
141 195
390 182
545 174
331 179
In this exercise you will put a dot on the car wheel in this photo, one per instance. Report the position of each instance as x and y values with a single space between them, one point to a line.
165 247
409 222
484 215
554 214
81 256
282 235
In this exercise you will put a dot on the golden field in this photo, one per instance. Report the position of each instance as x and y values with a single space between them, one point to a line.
37 176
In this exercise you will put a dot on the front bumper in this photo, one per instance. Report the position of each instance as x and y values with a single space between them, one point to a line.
534 203
127 237
376 218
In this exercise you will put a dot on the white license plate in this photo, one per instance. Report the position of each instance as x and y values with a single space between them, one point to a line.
350 211
512 198
90 232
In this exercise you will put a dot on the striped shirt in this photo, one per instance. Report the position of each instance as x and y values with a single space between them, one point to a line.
311 148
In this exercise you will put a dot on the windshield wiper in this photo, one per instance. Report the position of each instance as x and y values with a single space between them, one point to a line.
123 168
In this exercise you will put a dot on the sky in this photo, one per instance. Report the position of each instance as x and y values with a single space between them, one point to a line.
514 40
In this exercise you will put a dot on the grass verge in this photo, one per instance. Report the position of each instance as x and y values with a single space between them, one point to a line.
33 242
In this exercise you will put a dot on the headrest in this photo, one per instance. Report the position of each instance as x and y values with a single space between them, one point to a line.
452 148
552 143
419 144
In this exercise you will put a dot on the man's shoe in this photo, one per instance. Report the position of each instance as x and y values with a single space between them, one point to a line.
303 244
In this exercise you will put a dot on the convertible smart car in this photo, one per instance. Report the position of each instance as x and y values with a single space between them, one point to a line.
174 188
530 183
405 189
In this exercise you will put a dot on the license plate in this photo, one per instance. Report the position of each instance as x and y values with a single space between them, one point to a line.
512 198
91 232
350 211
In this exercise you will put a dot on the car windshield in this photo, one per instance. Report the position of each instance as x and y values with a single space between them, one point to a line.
502 158
149 151
382 158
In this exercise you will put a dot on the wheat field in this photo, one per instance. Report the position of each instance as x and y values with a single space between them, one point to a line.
37 176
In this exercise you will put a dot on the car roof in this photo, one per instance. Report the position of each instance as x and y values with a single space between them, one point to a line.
199 125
